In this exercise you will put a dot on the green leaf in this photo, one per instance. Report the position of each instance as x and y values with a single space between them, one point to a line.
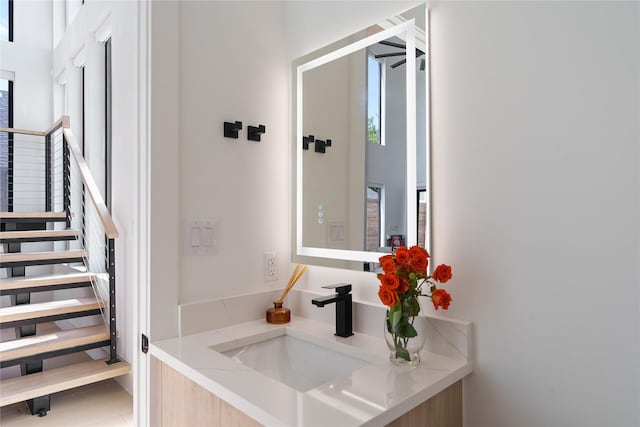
406 330
411 307
402 353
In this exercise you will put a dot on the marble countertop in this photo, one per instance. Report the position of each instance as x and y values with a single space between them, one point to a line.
375 394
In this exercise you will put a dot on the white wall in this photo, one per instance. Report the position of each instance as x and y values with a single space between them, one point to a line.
536 205
164 231
536 163
233 66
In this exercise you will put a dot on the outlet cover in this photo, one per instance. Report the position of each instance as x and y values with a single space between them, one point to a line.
270 266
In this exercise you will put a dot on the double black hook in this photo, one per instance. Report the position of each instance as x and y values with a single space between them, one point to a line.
253 132
320 145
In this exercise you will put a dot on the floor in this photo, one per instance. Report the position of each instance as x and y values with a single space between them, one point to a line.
102 404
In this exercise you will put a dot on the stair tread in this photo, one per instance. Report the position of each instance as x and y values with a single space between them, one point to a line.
42 383
45 280
49 308
14 215
37 234
41 256
37 344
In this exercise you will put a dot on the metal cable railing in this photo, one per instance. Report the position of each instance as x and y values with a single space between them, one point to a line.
85 207
26 173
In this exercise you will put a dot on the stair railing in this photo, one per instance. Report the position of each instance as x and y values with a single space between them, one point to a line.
61 180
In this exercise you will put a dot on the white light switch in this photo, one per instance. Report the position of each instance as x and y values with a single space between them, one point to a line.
207 237
195 237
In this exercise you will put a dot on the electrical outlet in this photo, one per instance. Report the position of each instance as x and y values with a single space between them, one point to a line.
270 266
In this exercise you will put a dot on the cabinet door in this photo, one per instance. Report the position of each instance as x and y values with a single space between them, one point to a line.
178 401
442 410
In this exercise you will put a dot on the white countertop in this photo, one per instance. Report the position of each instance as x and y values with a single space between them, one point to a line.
370 396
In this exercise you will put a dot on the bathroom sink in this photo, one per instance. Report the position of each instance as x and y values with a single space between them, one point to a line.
298 363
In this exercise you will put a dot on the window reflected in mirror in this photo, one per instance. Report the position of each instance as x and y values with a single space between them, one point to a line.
375 101
375 223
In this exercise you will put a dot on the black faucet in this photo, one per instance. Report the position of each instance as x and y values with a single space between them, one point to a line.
342 298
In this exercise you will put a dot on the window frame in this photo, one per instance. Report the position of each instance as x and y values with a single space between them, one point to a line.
10 20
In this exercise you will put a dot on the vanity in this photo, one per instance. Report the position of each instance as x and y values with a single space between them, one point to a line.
245 374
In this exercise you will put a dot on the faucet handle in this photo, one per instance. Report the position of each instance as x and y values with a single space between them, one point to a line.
341 288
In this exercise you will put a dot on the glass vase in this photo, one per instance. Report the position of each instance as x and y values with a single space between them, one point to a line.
404 351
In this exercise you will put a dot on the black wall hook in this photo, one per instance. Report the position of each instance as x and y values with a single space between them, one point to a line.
231 129
320 145
306 140
253 133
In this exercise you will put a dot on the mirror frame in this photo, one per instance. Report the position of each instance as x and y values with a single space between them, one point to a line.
335 51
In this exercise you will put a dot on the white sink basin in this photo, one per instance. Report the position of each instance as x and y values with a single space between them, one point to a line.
297 363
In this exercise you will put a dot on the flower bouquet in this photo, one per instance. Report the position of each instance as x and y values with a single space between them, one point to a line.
403 280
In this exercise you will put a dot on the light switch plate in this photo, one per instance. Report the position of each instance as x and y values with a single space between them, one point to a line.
200 237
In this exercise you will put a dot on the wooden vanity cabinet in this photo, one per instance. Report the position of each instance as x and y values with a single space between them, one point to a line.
177 401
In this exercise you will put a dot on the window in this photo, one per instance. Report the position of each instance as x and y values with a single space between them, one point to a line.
375 217
6 20
375 100
6 144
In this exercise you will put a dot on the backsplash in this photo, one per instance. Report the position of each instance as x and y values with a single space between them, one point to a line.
448 337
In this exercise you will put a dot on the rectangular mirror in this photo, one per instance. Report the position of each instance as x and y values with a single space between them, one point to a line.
361 145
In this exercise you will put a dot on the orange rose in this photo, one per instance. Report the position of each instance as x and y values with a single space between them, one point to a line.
404 287
442 273
387 296
390 281
402 255
440 298
419 264
387 263
418 252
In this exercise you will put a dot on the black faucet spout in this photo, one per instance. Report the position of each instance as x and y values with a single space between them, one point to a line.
344 312
322 301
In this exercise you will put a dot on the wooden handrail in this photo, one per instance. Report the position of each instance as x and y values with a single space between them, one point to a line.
62 122
109 227
23 131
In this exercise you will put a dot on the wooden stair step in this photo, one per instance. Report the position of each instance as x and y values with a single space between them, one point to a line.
45 282
47 309
60 340
26 387
32 216
37 236
40 258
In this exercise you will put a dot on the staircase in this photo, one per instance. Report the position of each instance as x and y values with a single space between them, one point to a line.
57 272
